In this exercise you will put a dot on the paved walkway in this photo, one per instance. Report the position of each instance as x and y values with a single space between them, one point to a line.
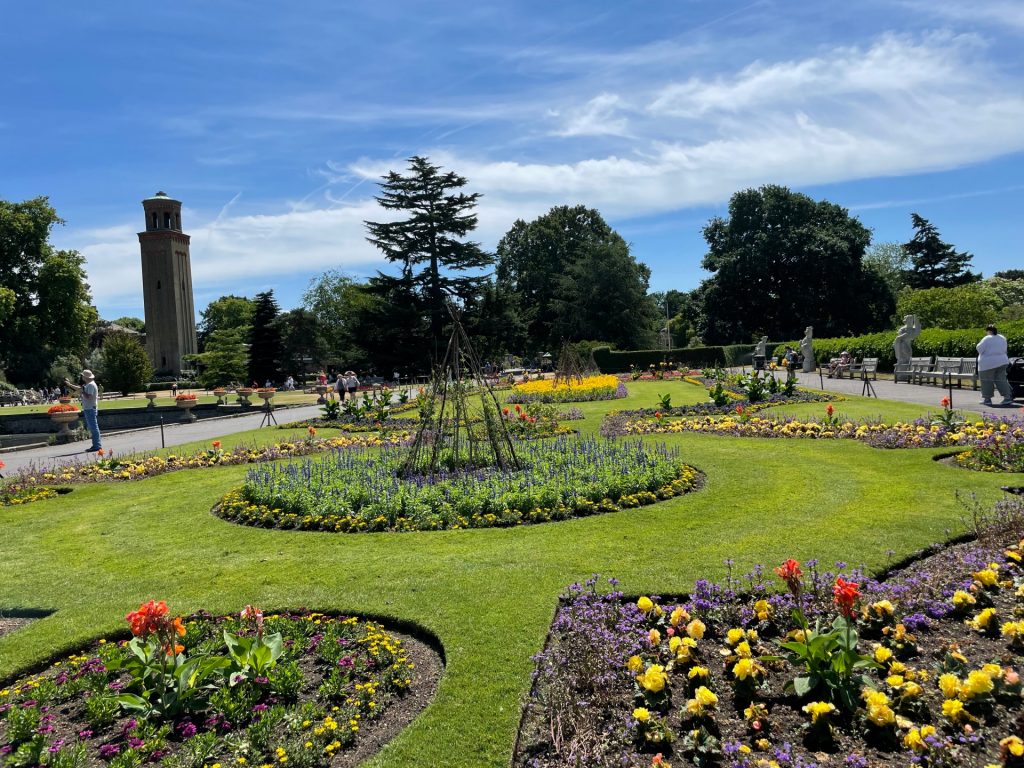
149 439
965 399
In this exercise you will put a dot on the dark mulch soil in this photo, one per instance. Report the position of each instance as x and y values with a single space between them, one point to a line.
8 624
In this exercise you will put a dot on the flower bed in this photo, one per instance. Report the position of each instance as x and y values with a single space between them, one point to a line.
603 387
137 467
921 433
63 408
835 669
994 455
298 689
357 491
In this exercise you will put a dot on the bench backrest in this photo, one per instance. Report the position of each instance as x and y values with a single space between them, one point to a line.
948 364
968 365
869 364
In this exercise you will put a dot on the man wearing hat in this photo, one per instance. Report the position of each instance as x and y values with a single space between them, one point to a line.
90 402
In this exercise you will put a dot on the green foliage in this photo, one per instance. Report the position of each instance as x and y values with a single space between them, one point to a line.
614 361
127 365
935 264
65 366
573 277
225 359
165 685
132 323
782 261
331 410
429 242
252 656
831 662
337 302
226 313
932 341
963 306
264 340
890 262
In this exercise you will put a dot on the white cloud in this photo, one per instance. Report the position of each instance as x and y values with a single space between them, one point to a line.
1001 13
600 116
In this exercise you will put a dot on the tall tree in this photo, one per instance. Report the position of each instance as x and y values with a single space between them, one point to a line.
429 242
544 264
127 366
226 313
225 360
335 301
890 262
265 339
782 261
302 341
933 263
45 304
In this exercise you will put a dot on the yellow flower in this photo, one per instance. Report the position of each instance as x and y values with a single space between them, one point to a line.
635 664
882 654
641 714
695 629
987 577
949 685
915 739
983 620
654 636
1013 745
977 684
645 604
762 610
818 710
745 668
734 636
992 670
678 616
895 680
953 710
701 672
703 700
878 710
963 599
653 679
882 608
1013 630
743 650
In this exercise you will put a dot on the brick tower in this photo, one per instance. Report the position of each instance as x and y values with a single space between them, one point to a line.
167 286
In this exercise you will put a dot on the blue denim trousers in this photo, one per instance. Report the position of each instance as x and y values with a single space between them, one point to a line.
92 422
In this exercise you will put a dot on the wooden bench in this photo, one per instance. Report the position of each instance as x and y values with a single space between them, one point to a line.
950 369
866 367
908 371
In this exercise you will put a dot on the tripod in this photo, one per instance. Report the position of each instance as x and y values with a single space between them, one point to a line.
268 415
867 389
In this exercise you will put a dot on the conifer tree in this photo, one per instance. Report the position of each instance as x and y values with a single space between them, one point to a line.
264 339
933 263
429 242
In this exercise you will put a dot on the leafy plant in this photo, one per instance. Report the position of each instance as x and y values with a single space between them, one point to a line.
665 402
718 394
331 410
101 710
252 656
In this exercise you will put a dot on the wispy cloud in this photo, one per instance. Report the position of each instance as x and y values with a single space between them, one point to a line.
1001 13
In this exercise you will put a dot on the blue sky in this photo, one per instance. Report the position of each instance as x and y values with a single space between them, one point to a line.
272 122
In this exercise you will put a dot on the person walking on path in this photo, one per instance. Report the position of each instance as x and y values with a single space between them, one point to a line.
351 384
992 364
90 396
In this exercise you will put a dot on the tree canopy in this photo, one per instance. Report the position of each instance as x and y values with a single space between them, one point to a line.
572 277
126 364
933 263
782 261
226 313
265 339
429 242
46 309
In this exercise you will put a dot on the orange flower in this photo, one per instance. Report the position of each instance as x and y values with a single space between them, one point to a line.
944 402
216 445
739 409
790 573
312 431
845 594
100 453
830 410
147 619
2 465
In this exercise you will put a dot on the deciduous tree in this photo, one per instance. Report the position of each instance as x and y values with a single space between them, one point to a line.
127 365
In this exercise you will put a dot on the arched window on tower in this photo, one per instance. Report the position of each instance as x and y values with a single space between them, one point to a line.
177 221
155 222
167 221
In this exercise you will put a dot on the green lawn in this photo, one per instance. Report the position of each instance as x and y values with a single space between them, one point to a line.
488 595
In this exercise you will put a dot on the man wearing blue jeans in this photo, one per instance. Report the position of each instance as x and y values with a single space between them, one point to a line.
90 395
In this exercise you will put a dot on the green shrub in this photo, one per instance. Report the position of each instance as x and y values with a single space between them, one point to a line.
610 361
932 341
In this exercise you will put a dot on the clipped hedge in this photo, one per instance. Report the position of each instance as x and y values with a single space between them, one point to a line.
613 361
932 341
157 386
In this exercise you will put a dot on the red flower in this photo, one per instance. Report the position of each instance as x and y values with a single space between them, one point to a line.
147 619
505 410
2 465
845 594
216 445
944 402
518 409
657 414
790 573
830 410
312 431
739 409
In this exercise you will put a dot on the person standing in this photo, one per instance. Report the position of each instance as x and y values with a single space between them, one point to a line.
351 384
992 363
90 396
339 388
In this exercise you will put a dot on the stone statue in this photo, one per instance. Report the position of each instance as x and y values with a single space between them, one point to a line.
761 350
909 331
807 349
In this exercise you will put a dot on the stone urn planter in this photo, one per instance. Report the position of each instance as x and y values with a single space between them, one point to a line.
266 395
321 391
151 396
187 404
65 418
219 393
244 393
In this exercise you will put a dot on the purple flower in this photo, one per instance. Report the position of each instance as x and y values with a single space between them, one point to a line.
109 750
86 734
187 729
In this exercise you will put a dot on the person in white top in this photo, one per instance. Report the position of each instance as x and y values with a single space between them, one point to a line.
992 363
90 395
